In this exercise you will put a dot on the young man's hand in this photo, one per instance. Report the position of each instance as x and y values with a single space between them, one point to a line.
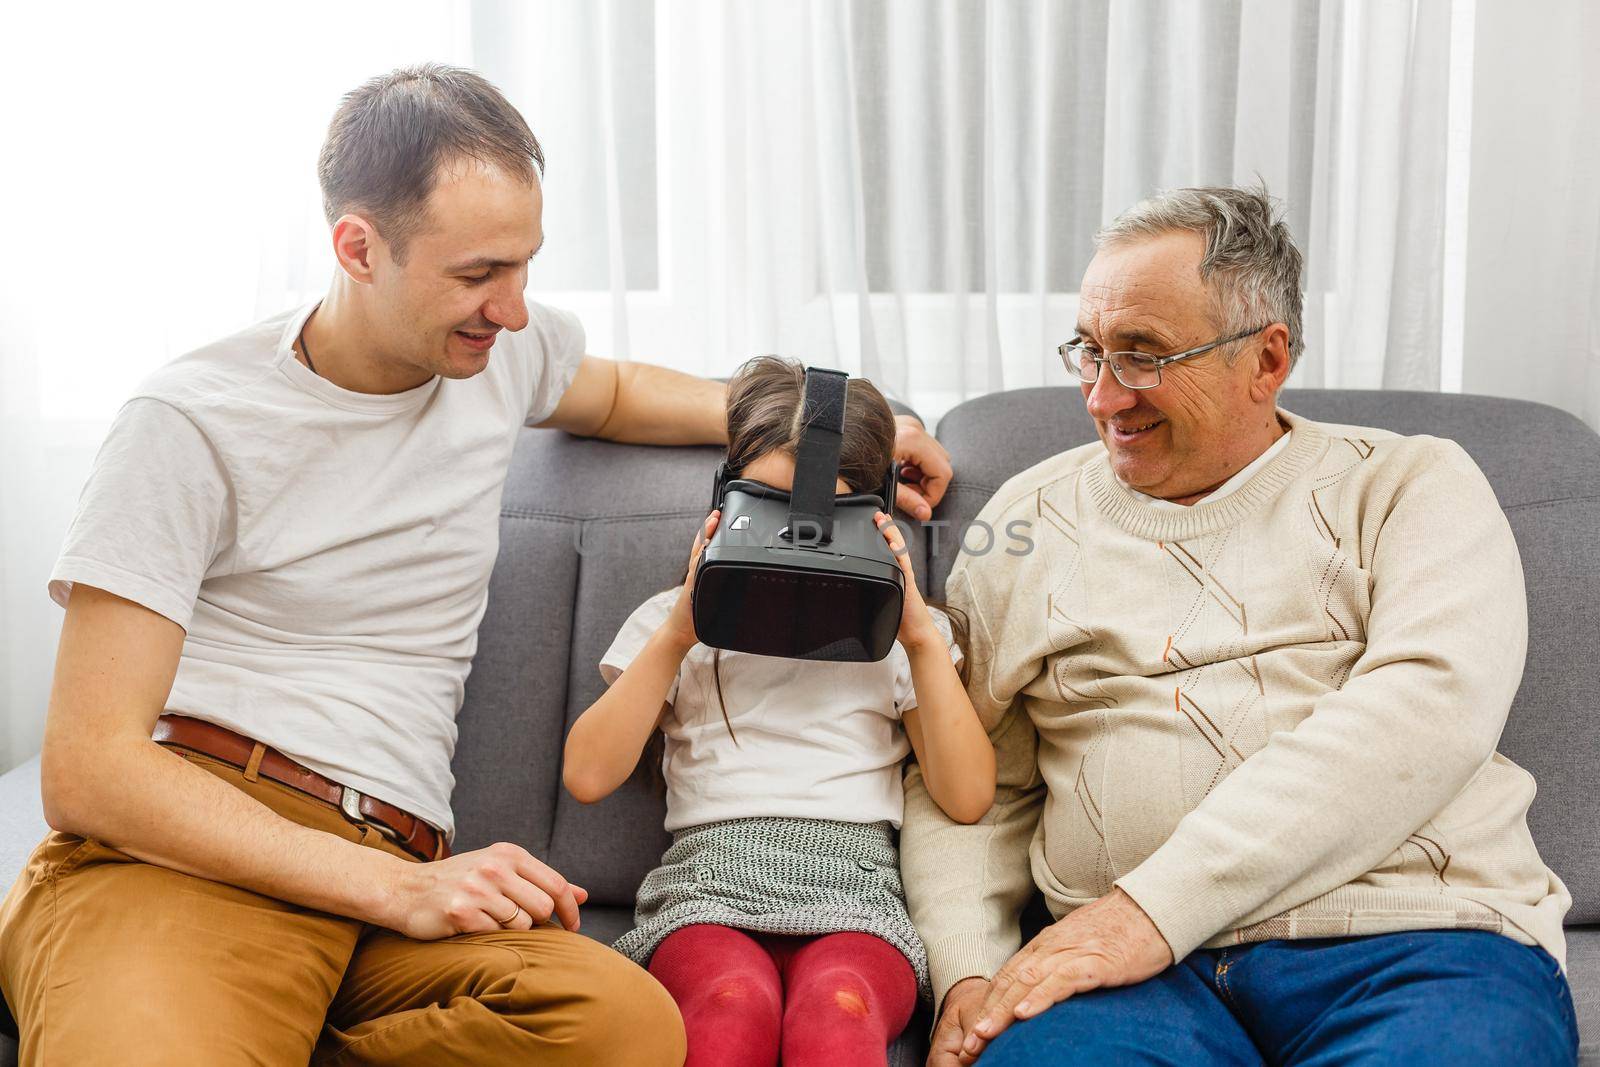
502 887
926 465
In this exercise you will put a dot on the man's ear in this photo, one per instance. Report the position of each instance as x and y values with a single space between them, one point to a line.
1272 363
355 241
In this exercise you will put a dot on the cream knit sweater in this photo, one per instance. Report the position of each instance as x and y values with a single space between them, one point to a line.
1272 715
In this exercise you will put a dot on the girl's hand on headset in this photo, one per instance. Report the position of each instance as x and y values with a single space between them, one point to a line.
916 623
680 623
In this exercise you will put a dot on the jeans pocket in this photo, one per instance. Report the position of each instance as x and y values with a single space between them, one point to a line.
57 854
88 852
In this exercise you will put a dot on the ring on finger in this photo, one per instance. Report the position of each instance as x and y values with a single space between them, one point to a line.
511 919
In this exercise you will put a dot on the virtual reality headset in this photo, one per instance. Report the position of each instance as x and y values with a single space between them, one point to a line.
804 574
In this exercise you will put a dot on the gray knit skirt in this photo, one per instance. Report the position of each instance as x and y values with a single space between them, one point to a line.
778 876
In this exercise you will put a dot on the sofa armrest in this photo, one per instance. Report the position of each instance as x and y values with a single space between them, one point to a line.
22 824
22 827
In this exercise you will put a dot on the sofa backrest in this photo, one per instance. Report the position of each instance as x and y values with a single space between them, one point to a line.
590 529
1544 465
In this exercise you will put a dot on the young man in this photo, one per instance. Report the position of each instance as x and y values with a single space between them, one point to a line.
273 587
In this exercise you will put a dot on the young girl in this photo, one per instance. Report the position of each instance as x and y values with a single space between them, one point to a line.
777 920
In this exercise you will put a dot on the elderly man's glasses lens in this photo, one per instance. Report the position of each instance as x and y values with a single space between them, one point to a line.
1135 370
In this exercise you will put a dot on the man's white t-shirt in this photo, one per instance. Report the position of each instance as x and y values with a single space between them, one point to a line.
327 552
816 739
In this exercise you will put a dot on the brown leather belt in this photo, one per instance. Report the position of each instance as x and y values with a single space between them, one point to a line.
404 829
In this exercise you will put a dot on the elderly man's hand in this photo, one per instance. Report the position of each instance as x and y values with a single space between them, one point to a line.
925 462
963 1006
1110 942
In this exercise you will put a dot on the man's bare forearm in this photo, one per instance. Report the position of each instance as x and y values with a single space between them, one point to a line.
654 405
103 778
152 804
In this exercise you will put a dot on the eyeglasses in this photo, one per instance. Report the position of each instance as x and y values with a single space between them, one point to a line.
1135 370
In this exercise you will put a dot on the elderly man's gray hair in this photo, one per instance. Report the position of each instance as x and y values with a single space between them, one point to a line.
1251 263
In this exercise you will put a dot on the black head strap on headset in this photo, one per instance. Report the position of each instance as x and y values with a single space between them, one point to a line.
816 465
812 498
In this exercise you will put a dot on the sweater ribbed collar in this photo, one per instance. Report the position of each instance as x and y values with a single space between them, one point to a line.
1119 504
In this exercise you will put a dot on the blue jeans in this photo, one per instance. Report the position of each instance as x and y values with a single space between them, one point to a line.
1448 997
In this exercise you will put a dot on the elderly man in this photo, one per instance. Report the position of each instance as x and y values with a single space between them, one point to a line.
1245 691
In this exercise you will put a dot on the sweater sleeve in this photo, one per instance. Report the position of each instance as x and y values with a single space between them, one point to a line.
1421 712
966 885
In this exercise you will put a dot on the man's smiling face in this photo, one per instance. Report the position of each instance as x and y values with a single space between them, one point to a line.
1183 437
463 274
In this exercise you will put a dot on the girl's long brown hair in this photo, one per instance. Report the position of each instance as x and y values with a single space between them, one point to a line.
766 413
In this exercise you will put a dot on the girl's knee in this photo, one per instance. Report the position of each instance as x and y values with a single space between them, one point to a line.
841 994
845 1001
739 993
851 977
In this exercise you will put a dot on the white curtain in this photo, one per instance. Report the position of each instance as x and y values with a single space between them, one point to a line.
902 188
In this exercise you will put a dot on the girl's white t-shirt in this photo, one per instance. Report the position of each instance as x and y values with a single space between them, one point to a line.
816 739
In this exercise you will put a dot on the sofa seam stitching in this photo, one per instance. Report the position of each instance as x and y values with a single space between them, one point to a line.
1552 502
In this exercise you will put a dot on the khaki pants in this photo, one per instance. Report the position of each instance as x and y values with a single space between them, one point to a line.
105 959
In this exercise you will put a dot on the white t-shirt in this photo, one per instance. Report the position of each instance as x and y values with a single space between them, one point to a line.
817 739
327 552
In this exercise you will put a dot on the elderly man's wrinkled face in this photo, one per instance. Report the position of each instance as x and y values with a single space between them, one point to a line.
1212 414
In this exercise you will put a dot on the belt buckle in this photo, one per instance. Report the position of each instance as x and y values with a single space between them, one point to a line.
350 804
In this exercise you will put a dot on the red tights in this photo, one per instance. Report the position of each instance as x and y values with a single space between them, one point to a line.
835 999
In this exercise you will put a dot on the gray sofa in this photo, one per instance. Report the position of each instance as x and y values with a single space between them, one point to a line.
589 529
